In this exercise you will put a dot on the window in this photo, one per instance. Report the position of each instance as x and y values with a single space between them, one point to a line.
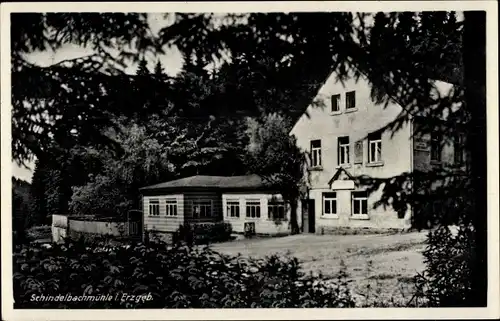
154 207
276 209
343 150
253 208
315 153
335 103
330 203
171 207
358 152
435 147
375 148
458 149
202 209
359 203
350 100
233 208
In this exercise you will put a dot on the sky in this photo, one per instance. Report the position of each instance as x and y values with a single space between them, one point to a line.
171 60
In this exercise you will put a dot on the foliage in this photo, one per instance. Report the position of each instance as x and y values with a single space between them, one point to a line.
159 71
113 191
21 200
203 233
71 100
180 277
213 142
41 232
273 154
448 252
142 69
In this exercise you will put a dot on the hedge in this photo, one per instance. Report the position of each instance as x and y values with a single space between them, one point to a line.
204 233
178 277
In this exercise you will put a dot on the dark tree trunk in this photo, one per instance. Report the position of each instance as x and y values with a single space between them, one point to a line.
474 45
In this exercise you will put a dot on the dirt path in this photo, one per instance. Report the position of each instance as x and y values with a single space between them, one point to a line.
379 263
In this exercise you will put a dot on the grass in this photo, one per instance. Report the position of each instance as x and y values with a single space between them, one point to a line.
380 267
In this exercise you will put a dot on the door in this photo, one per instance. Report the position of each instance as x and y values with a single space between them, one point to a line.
308 221
135 224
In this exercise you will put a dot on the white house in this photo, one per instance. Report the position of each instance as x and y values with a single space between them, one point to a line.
343 141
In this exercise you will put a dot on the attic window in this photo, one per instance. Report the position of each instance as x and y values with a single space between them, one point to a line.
350 100
336 103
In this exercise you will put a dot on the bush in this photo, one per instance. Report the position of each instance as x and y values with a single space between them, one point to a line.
204 233
446 282
179 277
39 232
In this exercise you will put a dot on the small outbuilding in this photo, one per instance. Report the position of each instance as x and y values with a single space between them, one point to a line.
246 202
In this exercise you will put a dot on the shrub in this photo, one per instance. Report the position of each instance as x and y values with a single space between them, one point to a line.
178 277
446 282
203 233
39 232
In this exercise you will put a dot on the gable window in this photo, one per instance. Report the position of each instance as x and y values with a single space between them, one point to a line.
458 149
171 207
154 207
358 152
316 153
233 208
202 209
330 203
435 147
343 150
336 103
375 148
276 209
350 100
359 203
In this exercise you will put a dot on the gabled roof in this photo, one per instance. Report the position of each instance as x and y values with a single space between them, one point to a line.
211 182
337 174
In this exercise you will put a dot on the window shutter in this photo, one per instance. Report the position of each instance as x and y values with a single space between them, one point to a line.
358 152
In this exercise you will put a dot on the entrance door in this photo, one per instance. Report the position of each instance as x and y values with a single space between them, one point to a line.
135 224
308 221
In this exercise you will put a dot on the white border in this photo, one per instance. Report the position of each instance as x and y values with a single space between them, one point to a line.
272 314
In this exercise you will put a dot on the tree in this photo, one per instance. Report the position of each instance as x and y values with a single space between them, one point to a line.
72 100
273 154
114 189
142 69
159 71
20 209
38 204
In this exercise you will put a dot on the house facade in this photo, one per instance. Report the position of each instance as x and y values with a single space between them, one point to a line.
341 133
242 201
